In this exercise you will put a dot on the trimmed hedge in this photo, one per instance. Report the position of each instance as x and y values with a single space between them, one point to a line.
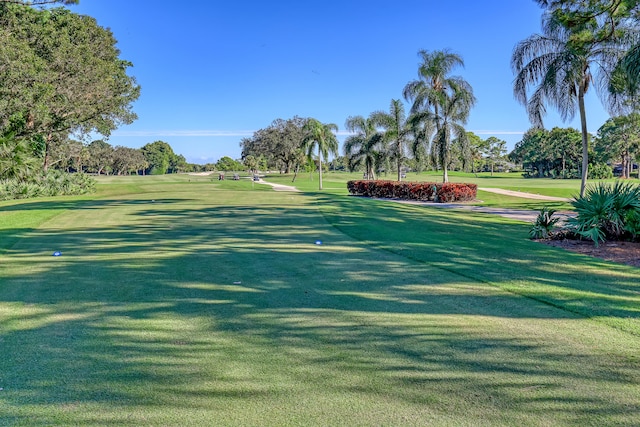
424 191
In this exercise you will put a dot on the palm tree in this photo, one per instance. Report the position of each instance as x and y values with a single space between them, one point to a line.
442 99
16 158
320 135
453 113
364 146
396 131
559 65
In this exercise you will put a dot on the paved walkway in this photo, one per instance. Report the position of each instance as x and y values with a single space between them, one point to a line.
278 187
525 195
516 214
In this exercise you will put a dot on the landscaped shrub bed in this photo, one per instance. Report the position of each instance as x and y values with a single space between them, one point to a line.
424 191
54 183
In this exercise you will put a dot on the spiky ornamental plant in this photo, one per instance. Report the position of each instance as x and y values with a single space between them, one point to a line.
604 210
559 65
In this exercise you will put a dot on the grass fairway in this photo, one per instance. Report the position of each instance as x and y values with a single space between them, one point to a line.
185 301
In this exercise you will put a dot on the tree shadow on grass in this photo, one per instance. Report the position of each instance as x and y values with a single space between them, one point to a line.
182 310
493 250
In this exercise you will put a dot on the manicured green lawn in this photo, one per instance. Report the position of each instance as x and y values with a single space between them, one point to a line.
182 300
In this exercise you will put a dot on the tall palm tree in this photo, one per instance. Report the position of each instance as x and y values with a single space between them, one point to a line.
320 135
396 131
441 98
453 113
365 146
559 65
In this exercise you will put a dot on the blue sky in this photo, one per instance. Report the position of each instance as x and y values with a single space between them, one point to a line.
213 72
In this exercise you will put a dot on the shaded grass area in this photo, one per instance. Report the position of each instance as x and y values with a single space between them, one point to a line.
495 251
193 303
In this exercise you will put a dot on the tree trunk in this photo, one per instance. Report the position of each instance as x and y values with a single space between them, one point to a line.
319 169
47 146
585 141
399 164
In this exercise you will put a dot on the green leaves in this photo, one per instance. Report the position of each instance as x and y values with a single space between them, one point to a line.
604 210
63 71
543 224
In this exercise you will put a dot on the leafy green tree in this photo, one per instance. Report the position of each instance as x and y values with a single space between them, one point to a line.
619 138
321 136
127 160
613 17
559 64
555 153
158 155
100 156
251 162
565 151
227 164
476 149
61 73
495 150
443 99
533 152
279 144
177 163
396 133
365 147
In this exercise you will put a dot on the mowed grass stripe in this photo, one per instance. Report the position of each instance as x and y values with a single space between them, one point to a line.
212 305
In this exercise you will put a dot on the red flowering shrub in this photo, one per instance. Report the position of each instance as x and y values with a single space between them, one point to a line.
425 191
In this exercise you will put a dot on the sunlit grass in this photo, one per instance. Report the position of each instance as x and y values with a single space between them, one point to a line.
183 300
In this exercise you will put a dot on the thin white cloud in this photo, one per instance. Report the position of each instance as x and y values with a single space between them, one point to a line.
497 132
184 133
244 133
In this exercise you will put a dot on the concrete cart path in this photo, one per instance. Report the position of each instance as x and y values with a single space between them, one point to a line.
278 187
525 195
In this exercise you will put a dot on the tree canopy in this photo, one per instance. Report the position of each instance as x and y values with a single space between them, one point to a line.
39 2
60 74
279 144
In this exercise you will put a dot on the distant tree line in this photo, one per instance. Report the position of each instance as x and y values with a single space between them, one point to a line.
558 153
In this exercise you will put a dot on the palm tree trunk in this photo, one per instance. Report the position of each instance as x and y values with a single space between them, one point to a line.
399 163
320 168
585 141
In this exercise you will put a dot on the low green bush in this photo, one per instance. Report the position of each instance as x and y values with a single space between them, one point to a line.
608 212
54 183
423 191
600 171
544 224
